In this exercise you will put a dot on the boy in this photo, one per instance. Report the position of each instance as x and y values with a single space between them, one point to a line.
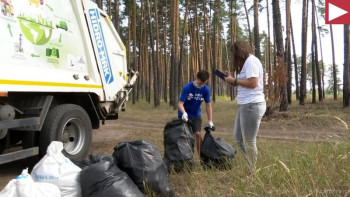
190 102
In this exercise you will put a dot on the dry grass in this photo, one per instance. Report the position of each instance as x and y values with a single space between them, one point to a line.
284 168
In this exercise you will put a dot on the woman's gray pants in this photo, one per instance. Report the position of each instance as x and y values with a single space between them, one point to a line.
246 129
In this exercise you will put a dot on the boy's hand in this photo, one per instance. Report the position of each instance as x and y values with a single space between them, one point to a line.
210 124
184 117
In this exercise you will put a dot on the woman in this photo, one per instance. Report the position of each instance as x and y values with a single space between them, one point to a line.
250 99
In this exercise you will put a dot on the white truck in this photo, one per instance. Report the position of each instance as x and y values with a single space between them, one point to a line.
63 72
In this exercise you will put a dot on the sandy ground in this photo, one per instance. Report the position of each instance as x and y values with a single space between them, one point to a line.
116 131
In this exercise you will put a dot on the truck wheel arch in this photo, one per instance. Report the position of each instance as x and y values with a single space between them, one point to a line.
89 102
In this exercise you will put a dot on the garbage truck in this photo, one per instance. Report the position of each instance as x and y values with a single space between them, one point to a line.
63 72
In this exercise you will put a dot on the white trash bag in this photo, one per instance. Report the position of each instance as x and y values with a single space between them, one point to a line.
24 186
55 168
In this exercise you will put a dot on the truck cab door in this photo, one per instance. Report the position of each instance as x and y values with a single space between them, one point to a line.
109 50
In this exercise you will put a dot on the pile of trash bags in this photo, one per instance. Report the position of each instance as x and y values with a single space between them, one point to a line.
134 168
178 145
215 152
179 148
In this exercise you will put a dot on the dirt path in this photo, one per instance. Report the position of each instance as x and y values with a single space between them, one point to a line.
114 132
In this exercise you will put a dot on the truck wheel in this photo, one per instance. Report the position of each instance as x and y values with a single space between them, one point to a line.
71 125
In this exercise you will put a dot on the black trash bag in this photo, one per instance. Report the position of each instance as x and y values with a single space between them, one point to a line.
92 160
178 145
216 152
143 163
106 179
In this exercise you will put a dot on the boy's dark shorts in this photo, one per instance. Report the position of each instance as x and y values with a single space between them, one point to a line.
195 124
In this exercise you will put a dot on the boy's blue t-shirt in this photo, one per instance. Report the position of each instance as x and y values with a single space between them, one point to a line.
192 98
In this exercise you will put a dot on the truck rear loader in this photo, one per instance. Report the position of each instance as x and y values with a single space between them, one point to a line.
63 71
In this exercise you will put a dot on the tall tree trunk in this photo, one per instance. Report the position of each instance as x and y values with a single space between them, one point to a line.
157 62
215 48
247 16
194 54
140 68
276 86
178 71
296 76
116 15
335 85
313 61
99 4
188 62
256 29
134 45
174 53
317 64
269 49
322 62
148 65
233 22
165 91
346 66
205 28
313 76
287 58
128 45
184 35
207 48
144 54
109 7
289 73
153 57
279 42
303 54
198 40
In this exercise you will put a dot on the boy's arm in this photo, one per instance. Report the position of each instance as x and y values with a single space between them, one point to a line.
181 102
209 108
209 112
181 107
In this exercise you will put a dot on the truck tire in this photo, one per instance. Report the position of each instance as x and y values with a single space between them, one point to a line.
69 124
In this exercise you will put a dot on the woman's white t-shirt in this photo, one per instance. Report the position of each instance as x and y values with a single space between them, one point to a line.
252 68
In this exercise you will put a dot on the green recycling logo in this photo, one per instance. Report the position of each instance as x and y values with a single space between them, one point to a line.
37 30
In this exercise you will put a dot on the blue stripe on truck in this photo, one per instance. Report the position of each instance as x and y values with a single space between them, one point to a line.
94 16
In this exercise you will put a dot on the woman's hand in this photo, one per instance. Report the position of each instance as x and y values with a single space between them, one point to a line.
229 79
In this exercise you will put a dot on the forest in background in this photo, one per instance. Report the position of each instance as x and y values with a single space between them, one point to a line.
168 41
